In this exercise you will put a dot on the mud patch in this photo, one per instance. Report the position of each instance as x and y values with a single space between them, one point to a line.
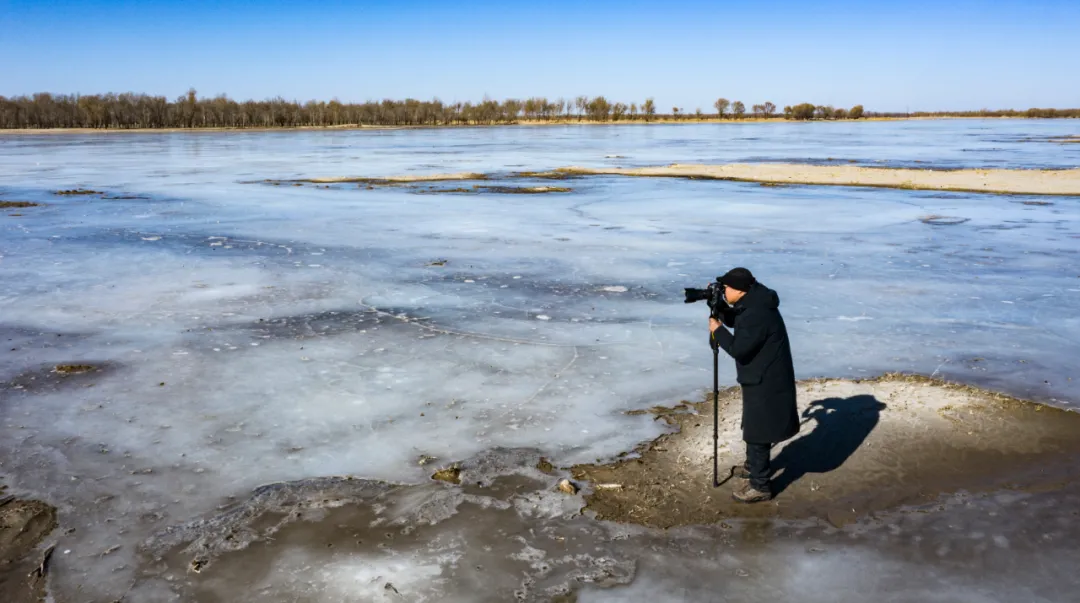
59 376
508 535
865 447
936 220
24 524
78 191
17 204
501 190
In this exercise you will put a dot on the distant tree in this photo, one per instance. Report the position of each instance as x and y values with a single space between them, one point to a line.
839 113
802 111
738 109
190 106
768 109
675 112
825 111
598 109
856 112
511 108
721 105
633 110
618 110
582 103
698 114
649 109
758 110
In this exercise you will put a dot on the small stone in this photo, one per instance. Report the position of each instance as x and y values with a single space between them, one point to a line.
568 486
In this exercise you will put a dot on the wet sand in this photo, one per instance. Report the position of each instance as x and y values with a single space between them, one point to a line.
1004 181
864 447
24 567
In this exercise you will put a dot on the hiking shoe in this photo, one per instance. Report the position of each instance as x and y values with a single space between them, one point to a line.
751 494
741 472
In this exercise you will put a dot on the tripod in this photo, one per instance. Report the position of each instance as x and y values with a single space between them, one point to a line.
716 421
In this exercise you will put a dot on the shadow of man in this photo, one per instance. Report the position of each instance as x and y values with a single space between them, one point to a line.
842 426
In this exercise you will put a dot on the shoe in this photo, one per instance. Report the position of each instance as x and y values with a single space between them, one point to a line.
741 472
751 494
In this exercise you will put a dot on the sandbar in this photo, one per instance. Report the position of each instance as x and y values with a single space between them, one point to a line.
1004 181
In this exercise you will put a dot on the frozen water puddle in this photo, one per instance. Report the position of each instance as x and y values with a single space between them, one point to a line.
506 533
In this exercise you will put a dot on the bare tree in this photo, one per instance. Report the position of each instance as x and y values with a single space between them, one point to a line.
721 105
768 109
649 108
738 109
582 103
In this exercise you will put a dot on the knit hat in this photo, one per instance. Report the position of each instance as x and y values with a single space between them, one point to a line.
738 278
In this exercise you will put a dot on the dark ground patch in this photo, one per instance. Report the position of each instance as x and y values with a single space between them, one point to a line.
78 191
56 377
24 524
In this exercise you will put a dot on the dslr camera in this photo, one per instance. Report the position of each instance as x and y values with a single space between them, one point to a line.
713 295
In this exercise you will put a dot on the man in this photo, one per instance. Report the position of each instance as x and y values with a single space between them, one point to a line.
765 371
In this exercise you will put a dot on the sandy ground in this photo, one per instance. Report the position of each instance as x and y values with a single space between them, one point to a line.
864 447
997 181
24 524
1026 182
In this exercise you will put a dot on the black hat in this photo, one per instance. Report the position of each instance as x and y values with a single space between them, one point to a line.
738 278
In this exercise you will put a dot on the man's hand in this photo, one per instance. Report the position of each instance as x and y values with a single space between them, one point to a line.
713 325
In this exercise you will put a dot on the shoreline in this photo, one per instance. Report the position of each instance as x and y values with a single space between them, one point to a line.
520 123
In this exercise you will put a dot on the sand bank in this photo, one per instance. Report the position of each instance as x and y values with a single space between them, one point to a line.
865 446
1020 182
997 181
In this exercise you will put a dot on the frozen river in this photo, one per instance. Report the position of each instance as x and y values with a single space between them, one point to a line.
247 333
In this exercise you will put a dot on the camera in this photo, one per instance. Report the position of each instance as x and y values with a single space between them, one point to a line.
713 295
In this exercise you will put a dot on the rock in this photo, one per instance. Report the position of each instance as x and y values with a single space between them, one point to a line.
450 475
545 466
568 486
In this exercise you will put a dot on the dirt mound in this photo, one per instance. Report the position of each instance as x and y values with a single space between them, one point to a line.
864 446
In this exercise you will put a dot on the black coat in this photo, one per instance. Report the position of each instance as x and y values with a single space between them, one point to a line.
763 361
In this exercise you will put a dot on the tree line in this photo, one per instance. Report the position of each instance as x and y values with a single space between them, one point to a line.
131 110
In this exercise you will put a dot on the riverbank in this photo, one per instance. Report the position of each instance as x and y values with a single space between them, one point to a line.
532 123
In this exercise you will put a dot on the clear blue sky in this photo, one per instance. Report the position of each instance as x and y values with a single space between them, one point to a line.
888 56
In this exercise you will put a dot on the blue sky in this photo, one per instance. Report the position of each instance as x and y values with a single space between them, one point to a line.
888 56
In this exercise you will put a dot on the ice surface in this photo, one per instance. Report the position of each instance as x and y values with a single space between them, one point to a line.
250 333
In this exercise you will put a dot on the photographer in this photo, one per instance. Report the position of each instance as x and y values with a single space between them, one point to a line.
765 371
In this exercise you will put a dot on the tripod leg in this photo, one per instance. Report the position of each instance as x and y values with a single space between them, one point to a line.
715 414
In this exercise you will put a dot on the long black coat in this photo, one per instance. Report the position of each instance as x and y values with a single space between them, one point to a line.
763 361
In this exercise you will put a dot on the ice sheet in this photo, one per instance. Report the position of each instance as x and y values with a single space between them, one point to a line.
250 333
